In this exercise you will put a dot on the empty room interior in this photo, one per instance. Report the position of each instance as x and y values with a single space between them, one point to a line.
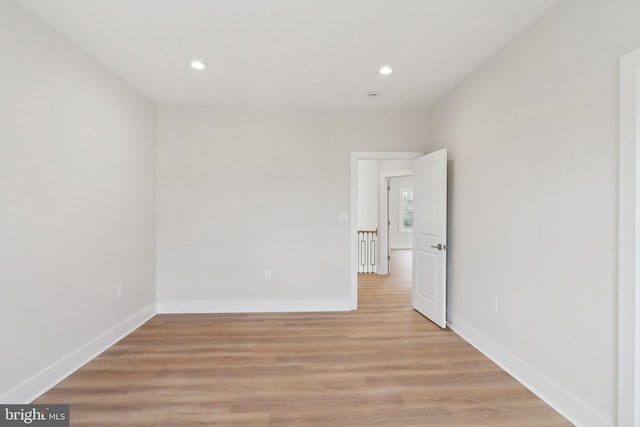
182 188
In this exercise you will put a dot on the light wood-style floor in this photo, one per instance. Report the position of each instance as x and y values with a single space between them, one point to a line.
384 365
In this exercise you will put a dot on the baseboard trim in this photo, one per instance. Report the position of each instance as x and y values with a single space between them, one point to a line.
43 381
568 405
254 306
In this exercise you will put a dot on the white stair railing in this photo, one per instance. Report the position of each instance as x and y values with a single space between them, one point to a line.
367 241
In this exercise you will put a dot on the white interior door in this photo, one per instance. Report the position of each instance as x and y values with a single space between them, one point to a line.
430 236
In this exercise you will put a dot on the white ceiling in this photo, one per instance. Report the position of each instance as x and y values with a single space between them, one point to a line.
303 53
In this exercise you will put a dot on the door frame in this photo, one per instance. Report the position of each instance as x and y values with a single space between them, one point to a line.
629 243
384 234
353 232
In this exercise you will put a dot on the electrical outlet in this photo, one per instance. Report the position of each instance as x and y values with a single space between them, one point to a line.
119 290
267 274
494 304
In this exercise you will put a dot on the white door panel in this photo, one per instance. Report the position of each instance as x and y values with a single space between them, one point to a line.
430 236
427 267
428 221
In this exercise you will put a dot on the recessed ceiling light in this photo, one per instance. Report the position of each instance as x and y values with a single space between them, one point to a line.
198 65
386 70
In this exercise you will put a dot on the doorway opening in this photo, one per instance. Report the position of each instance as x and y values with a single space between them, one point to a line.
398 233
429 230
399 217
363 162
380 187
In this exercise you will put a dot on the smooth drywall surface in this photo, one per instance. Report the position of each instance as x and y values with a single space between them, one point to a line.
367 194
533 145
241 191
77 216
398 239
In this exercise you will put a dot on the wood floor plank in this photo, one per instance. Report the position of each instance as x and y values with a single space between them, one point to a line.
383 365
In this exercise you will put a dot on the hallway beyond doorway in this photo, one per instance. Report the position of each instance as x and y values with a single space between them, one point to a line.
400 264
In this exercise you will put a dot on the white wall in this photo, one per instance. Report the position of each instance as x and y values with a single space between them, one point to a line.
533 143
77 191
398 240
367 194
244 190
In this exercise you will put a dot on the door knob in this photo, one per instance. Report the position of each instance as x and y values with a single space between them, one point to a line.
439 247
